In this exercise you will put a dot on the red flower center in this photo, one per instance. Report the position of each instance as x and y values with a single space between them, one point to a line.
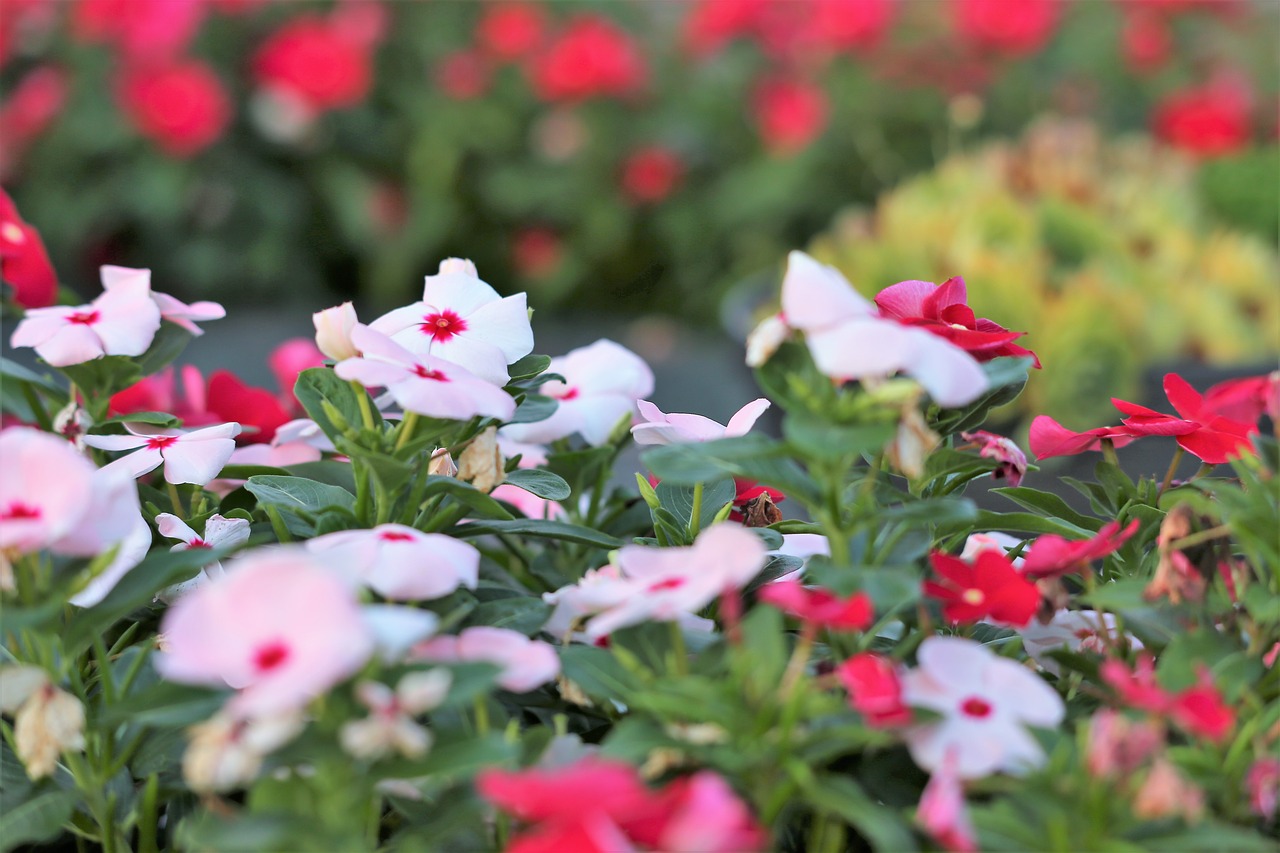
84 318
443 325
198 543
394 536
160 442
18 510
569 393
270 656
427 373
669 583
975 707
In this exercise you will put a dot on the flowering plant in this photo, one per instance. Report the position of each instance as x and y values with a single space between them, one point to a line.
444 624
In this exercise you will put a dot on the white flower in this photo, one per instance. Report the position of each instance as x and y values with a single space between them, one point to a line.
390 725
225 752
661 428
188 457
172 309
399 562
122 321
218 532
1072 630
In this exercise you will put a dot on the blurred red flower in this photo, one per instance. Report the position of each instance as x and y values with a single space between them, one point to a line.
463 74
1208 120
1146 41
24 262
850 24
875 691
508 31
651 173
1011 27
32 105
183 107
593 56
819 607
789 114
712 23
142 30
316 62
536 252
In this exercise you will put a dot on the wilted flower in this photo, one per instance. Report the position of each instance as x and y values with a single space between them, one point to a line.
226 751
481 462
765 338
122 321
333 331
47 720
399 562
1012 461
188 457
911 443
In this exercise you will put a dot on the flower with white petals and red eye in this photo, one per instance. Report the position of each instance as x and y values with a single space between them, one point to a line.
187 457
463 320
219 532
662 428
279 628
399 562
172 309
122 321
986 703
390 725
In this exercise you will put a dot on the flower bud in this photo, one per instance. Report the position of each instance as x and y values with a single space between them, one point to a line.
458 266
442 464
764 339
481 463
912 444
50 722
333 331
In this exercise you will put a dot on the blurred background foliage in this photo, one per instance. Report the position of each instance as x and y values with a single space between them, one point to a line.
646 156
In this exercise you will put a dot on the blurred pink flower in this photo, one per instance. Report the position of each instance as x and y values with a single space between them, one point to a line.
278 627
1015 29
1263 784
399 562
1209 120
188 457
511 30
661 428
1012 461
602 383
317 62
122 321
986 702
789 114
652 173
289 359
44 489
942 812
874 684
592 56
526 664
528 503
697 813
182 105
1071 630
1052 555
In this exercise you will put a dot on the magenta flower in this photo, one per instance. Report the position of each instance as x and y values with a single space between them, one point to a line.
849 340
426 385
122 321
1198 429
1051 555
1012 461
942 811
1050 438
985 702
943 310
463 320
526 664
661 428
399 562
188 457
602 383
172 309
279 628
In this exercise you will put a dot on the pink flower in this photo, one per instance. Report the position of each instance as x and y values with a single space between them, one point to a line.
463 74
592 57
526 664
1015 29
1198 429
289 359
157 393
820 607
944 310
991 541
696 813
1118 746
875 689
427 385
942 811
188 457
182 105
849 341
1263 784
279 628
790 114
651 174
1051 555
333 331
1208 120
171 309
1013 462
33 104
399 562
122 321
1199 710
989 588
602 383
509 31
661 428
1050 438
316 62
390 725
540 795
463 320
986 702
1245 400
219 532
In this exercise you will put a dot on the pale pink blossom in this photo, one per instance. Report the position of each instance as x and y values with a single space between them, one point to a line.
463 320
1072 630
397 628
188 457
602 383
122 321
526 664
529 504
1119 746
399 562
219 532
333 331
172 309
390 726
985 702
427 385
661 428
849 340
942 812
113 524
279 628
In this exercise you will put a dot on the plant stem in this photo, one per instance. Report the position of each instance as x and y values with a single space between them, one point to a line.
679 650
362 400
1202 536
1173 469
482 716
695 514
175 499
406 429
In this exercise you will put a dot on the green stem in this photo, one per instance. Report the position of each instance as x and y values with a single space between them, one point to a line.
1109 452
1173 469
482 716
679 650
695 514
406 429
799 659
362 400
149 816
175 499
1202 536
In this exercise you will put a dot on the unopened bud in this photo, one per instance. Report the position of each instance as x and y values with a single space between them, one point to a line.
912 444
764 340
458 266
333 331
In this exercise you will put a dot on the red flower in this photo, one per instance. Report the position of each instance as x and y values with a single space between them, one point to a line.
156 393
316 62
747 491
463 74
143 30
536 795
712 23
699 812
850 24
944 311
509 31
1013 28
255 409
288 360
789 114
32 105
820 607
875 690
1013 462
1199 430
990 587
1146 41
1245 400
650 174
593 56
1208 120
182 107
536 252
1138 689
1050 438
24 262
1051 555
1201 711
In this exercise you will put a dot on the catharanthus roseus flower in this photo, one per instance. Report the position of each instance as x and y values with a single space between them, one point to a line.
986 702
1014 29
122 321
651 174
1072 630
279 628
397 628
789 114
591 57
875 689
1208 120
508 31
144 31
1012 461
1049 438
944 310
315 62
188 457
601 384
390 726
24 262
333 331
219 532
225 752
158 393
820 607
171 309
1198 429
991 541
1052 555
988 588
463 320
399 562
526 664
1119 746
1199 710
427 385
848 340
182 106
1246 400
661 428
1146 41
942 812
289 359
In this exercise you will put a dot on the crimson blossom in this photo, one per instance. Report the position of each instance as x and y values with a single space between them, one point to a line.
591 57
944 310
24 262
819 607
1198 429
182 106
1052 555
316 62
1209 120
875 689
988 588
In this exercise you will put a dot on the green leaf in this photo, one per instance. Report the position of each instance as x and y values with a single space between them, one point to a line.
528 367
937 511
597 672
678 500
753 457
153 418
456 758
537 527
467 495
516 613
165 704
843 797
249 832
539 482
14 619
317 384
13 370
534 407
812 437
1050 506
299 495
36 820
1025 522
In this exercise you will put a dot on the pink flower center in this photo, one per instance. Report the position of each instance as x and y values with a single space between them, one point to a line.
84 318
20 511
443 325
973 596
198 543
975 707
569 393
427 373
394 536
669 583
160 442
270 656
